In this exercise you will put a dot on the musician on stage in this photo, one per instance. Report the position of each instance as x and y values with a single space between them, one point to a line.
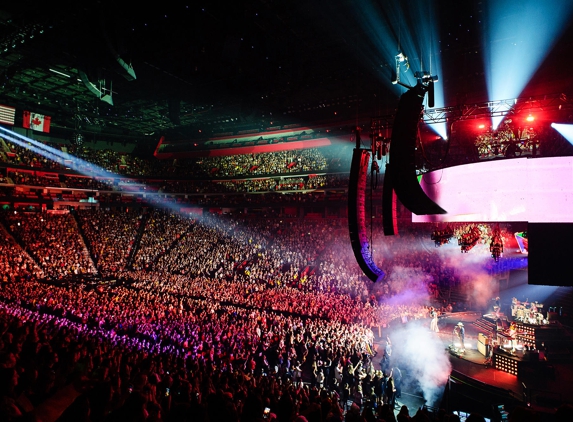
495 309
514 305
434 322
512 333
460 332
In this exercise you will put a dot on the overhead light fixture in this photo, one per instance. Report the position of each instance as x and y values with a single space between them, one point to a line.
59 73
496 245
399 60
441 237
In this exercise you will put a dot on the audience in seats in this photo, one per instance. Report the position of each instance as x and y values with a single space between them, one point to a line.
150 315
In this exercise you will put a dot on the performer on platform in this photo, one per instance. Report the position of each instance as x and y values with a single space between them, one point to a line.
461 333
512 333
434 322
514 305
497 306
385 362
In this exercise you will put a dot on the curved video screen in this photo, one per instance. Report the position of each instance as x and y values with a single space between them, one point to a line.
522 189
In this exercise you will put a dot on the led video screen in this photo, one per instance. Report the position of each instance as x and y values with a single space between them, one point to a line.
522 189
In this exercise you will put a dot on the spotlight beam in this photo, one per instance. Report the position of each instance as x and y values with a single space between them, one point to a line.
512 50
81 166
58 156
565 130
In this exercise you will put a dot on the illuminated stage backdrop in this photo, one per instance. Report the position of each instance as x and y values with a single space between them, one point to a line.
521 189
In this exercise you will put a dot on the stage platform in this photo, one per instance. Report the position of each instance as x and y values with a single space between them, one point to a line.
538 385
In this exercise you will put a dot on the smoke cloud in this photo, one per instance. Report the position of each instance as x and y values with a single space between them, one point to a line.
409 285
423 359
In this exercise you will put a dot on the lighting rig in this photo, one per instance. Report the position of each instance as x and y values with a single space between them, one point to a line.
508 141
496 245
424 78
380 140
469 235
441 237
469 239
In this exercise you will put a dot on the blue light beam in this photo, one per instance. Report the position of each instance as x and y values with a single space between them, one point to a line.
385 40
409 28
518 35
565 130
81 166
58 156
427 43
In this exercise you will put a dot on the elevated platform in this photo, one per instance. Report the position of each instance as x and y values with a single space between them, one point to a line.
522 377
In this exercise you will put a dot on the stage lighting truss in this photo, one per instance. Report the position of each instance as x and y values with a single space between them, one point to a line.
513 107
469 235
519 138
508 141
496 245
441 237
379 138
469 239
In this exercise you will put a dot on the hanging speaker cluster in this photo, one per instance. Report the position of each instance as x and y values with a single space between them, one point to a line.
356 215
401 174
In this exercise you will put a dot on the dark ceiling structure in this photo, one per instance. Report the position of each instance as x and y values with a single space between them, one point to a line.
194 70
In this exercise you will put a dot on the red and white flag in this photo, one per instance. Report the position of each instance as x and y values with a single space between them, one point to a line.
7 114
37 121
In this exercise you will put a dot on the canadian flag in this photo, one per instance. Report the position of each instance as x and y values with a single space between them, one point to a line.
37 121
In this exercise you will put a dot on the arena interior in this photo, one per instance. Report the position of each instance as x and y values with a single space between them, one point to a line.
341 211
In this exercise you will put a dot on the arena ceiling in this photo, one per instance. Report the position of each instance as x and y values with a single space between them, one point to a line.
193 70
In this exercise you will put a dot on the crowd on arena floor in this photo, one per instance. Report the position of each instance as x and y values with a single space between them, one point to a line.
215 294
309 257
158 317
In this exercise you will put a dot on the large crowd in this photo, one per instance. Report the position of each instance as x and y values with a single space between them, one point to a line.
307 160
265 172
53 241
290 265
148 315
214 309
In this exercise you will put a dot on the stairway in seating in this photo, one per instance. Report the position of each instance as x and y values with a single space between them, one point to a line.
10 237
137 240
85 239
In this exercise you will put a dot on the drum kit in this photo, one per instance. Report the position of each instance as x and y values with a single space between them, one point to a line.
528 313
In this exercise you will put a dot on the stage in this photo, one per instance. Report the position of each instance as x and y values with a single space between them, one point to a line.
521 377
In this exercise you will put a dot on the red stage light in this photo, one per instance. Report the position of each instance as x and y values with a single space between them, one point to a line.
530 118
482 126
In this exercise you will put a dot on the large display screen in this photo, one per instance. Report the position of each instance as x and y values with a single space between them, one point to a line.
521 189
